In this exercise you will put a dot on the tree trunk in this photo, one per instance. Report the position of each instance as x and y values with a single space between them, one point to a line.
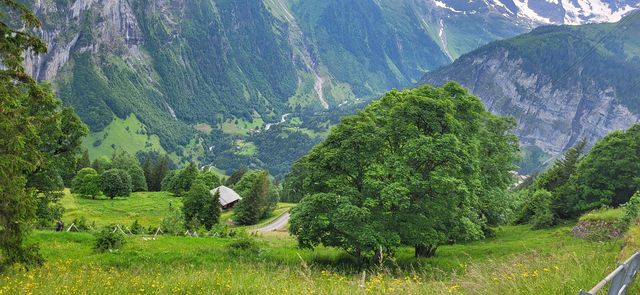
379 256
425 250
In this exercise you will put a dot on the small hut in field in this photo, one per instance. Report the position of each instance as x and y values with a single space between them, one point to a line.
228 197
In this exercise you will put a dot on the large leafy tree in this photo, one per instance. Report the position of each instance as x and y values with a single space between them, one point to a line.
38 137
415 168
115 183
86 183
130 164
201 205
180 181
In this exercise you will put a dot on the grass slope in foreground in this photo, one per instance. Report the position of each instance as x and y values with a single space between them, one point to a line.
517 261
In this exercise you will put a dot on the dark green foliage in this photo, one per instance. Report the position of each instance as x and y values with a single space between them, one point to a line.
84 161
293 184
159 172
606 176
421 167
86 183
201 205
101 164
38 137
279 147
236 176
137 229
257 198
631 213
115 183
130 164
209 179
148 172
554 185
180 181
108 240
609 174
541 206
244 246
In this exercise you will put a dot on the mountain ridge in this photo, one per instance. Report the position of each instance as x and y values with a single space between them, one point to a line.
561 83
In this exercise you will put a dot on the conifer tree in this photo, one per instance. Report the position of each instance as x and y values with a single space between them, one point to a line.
38 136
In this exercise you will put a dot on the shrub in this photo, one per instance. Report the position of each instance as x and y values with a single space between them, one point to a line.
108 240
632 209
81 223
173 223
137 228
200 207
243 246
541 205
222 231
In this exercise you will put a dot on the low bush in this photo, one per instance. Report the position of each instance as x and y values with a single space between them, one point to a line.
137 228
631 211
243 246
108 240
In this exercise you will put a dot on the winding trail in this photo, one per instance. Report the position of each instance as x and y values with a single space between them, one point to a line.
280 223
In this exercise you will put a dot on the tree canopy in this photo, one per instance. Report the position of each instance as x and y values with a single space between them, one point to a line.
200 205
86 183
115 183
130 164
259 198
180 181
39 138
421 167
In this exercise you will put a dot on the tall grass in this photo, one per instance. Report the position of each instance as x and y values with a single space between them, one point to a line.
517 261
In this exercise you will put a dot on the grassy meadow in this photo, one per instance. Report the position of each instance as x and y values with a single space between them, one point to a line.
517 261
149 208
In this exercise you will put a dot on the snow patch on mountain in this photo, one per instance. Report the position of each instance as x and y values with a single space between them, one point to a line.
541 12
525 11
594 11
444 6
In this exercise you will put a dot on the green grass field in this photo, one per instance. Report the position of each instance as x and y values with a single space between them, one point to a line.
240 126
121 135
517 261
149 208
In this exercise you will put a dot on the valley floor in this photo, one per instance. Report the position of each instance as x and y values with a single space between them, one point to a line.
517 261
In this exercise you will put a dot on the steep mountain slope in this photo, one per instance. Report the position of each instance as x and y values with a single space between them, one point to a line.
206 76
562 83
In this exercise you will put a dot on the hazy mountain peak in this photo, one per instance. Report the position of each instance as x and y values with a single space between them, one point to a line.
571 12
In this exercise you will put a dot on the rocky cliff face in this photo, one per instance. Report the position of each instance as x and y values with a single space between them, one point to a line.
557 95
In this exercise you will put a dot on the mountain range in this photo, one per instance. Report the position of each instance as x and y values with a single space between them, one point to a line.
561 83
203 79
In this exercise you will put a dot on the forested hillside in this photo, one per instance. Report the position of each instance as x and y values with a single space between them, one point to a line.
206 76
562 83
